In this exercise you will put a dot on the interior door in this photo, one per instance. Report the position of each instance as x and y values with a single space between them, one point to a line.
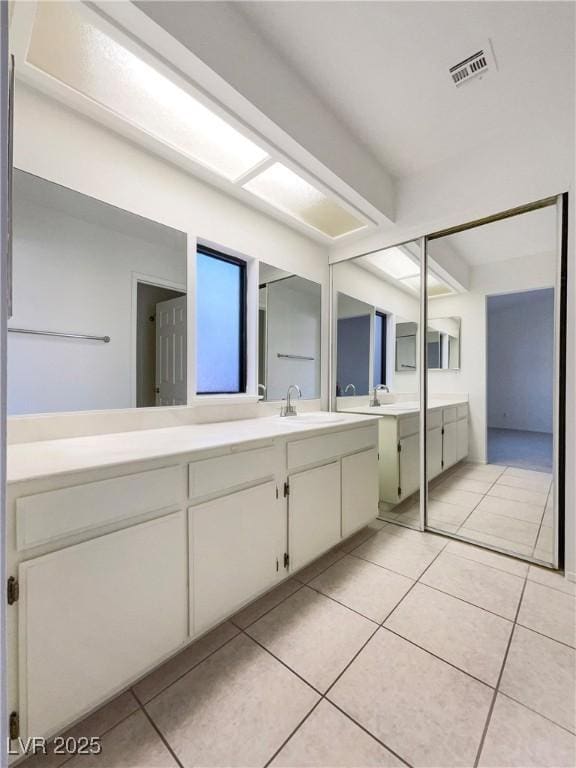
171 352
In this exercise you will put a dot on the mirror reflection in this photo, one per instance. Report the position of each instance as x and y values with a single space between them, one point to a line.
289 334
498 425
443 339
99 317
376 327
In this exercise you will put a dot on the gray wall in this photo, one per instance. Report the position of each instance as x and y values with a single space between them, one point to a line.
521 360
353 354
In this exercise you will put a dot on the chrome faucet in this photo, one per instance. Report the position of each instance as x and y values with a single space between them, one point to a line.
288 409
374 403
350 386
262 388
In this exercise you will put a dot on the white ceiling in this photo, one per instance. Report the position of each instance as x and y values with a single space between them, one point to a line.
530 234
382 68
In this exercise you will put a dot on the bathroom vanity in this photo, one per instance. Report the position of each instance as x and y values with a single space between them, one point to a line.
399 443
123 548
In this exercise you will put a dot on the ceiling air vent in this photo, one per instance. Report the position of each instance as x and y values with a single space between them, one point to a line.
474 66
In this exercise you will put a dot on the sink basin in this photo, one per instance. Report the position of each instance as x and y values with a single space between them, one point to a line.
312 418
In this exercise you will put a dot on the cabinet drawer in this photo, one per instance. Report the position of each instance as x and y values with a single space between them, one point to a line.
47 517
313 450
434 419
225 472
449 414
462 411
408 425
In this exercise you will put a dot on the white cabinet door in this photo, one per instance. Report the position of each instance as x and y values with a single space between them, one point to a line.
359 490
461 439
235 543
95 616
450 444
409 458
434 454
314 518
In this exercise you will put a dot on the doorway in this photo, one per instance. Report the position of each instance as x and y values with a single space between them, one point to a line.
520 379
160 347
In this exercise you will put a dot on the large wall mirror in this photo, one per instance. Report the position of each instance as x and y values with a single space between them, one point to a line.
375 323
99 311
289 334
494 393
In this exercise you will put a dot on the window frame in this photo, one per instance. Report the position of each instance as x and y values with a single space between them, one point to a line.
384 347
243 310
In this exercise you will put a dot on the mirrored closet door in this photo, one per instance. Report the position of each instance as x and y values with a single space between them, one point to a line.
376 366
492 383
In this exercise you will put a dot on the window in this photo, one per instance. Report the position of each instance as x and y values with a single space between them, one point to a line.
220 323
379 349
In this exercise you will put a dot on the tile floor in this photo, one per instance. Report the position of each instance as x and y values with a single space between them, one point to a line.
505 507
397 648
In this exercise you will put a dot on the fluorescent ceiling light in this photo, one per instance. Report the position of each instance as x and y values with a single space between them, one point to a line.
394 262
284 189
436 287
65 45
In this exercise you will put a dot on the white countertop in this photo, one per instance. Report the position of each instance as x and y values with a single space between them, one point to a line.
31 461
401 408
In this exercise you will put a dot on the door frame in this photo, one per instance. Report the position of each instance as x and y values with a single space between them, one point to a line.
160 282
560 202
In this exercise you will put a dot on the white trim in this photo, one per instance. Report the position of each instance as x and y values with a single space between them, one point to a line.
140 277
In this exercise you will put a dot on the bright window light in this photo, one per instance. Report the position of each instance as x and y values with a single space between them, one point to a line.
394 262
284 189
436 287
65 45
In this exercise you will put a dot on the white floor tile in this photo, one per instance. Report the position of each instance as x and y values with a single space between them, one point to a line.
329 738
313 635
553 579
502 491
466 500
398 551
472 639
476 583
508 528
519 738
367 588
541 674
550 612
235 709
518 510
425 710
133 743
481 555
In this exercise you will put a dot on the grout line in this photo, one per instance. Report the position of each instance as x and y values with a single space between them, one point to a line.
440 658
541 521
284 664
496 689
300 586
67 758
363 728
467 602
292 733
197 664
536 632
525 706
158 731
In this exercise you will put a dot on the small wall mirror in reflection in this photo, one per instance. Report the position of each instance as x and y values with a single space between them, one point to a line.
289 334
99 317
443 338
444 343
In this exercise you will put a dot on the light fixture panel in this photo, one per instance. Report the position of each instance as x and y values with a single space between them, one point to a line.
286 190
67 46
